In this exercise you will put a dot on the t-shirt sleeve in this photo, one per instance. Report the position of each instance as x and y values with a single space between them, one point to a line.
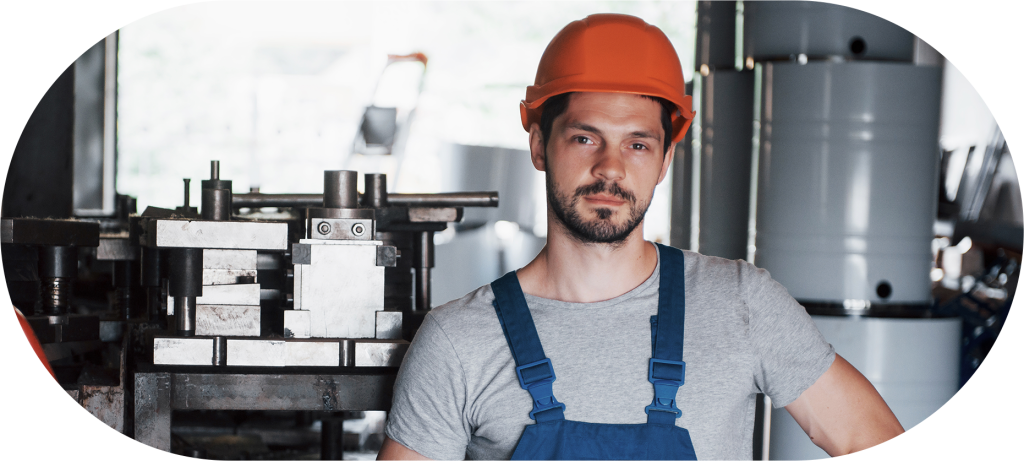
790 352
430 396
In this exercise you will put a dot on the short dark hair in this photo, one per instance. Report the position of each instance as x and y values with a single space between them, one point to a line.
557 104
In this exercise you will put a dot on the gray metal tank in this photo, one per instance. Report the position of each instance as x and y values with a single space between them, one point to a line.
773 30
847 180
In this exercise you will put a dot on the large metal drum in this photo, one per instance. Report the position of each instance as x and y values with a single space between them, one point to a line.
847 180
911 362
773 30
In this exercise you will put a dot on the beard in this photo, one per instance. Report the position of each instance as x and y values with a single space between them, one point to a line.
601 229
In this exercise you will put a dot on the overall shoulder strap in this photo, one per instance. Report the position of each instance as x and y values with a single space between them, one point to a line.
533 369
667 370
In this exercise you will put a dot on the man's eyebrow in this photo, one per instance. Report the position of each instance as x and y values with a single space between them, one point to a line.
583 127
591 129
645 134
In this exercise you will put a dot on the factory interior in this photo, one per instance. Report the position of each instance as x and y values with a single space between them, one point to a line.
225 222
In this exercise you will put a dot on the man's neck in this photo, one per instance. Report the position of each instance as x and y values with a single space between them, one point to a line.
573 271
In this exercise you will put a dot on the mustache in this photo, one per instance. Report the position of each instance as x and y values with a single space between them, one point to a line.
612 188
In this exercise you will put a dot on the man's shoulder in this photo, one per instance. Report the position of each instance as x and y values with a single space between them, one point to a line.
476 306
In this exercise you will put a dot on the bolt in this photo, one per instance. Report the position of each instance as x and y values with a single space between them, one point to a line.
324 228
358 229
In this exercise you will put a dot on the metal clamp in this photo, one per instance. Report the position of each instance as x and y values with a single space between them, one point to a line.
665 388
538 384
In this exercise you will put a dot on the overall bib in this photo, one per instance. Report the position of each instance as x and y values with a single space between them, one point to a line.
554 437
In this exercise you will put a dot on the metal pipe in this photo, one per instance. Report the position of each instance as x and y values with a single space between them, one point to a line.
451 199
340 189
214 169
216 204
376 186
185 315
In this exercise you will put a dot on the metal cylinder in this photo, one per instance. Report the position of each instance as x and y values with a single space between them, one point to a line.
58 261
186 269
214 169
424 261
463 199
348 353
220 351
727 120
185 315
125 282
774 30
331 438
376 190
847 178
340 189
216 204
911 362
55 295
150 267
716 35
187 183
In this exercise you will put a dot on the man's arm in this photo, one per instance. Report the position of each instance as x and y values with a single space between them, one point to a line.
394 450
843 413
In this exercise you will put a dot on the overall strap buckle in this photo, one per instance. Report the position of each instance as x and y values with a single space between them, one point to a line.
537 378
666 376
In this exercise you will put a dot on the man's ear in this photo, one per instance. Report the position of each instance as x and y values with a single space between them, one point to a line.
667 163
537 148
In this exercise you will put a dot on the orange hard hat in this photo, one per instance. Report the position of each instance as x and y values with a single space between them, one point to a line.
613 53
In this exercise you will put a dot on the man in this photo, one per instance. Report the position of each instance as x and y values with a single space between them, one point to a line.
604 116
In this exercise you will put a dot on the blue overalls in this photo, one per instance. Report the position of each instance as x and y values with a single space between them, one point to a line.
554 437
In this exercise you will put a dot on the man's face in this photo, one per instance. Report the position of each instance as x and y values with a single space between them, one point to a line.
602 162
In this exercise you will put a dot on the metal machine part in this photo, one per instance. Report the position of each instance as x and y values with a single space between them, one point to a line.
455 199
727 117
779 30
847 180
249 304
906 360
338 280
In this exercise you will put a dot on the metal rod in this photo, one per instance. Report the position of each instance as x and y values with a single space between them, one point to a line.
340 189
451 199
185 315
187 181
214 169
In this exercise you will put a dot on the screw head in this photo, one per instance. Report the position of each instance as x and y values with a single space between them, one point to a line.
324 228
358 229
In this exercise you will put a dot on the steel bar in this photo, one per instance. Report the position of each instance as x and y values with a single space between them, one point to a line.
307 392
36 231
463 199
153 409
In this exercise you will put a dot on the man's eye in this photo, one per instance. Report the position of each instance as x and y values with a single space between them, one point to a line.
582 139
638 146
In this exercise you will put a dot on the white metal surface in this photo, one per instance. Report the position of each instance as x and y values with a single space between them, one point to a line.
229 259
214 320
380 353
342 288
182 351
239 295
232 235
848 179
296 324
389 325
911 362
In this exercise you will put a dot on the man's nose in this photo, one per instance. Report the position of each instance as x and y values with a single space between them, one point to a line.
610 165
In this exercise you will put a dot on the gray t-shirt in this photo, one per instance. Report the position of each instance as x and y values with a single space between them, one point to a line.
457 394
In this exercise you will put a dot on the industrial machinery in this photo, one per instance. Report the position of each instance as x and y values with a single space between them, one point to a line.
819 161
847 187
297 306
